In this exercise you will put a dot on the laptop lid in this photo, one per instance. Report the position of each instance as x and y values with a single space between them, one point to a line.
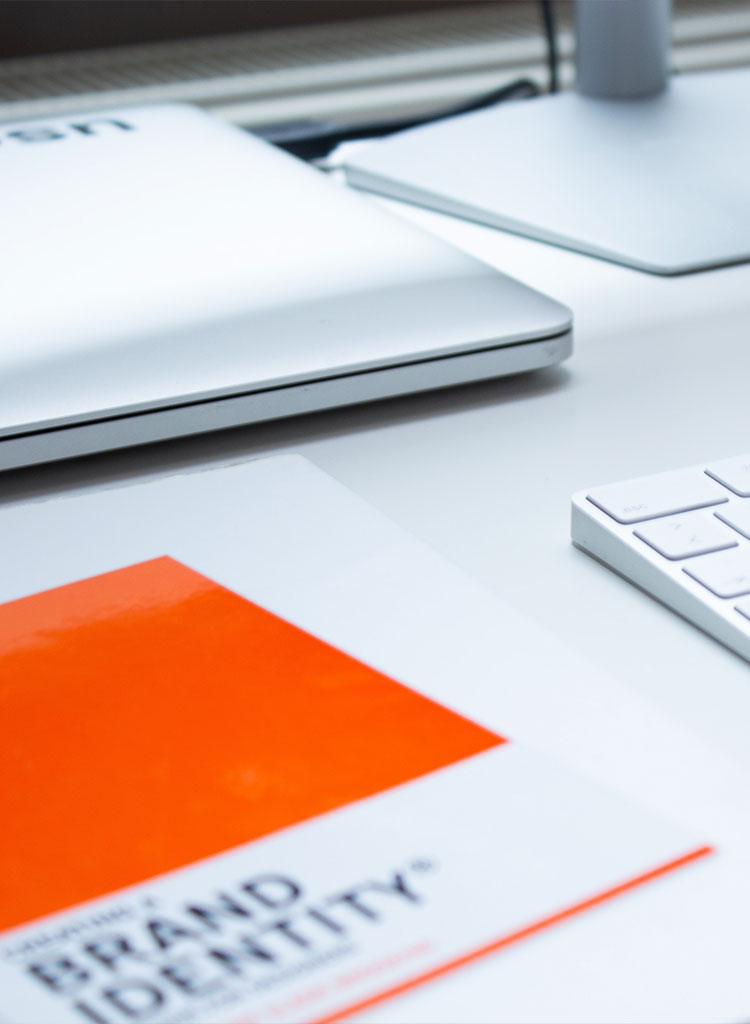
155 257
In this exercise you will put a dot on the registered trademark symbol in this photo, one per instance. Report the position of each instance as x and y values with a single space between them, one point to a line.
423 865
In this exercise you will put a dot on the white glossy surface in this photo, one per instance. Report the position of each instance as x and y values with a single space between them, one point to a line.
485 474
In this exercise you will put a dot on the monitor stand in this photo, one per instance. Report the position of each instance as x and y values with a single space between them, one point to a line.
658 183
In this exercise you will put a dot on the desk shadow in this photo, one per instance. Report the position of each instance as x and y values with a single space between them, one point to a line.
134 464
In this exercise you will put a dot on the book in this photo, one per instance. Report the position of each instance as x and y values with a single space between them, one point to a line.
239 788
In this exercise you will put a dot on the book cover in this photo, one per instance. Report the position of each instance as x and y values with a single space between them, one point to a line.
213 815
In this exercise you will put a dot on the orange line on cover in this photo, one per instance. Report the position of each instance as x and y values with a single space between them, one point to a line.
518 936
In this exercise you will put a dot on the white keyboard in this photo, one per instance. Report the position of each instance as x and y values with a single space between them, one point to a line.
684 537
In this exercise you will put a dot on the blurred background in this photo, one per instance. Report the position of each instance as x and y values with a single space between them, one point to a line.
281 65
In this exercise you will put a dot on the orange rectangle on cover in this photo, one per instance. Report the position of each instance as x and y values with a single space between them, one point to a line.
153 718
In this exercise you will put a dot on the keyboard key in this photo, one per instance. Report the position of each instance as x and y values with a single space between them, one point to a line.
676 516
726 574
649 497
736 515
686 535
733 473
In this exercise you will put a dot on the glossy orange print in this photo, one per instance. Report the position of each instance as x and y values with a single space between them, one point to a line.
152 718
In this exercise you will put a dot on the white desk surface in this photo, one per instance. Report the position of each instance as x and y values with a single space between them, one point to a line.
484 473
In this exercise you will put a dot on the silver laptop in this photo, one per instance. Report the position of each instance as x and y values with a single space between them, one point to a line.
164 274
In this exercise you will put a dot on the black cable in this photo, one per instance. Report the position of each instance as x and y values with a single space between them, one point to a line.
314 140
550 34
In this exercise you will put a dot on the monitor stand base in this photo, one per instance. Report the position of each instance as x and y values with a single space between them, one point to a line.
659 184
